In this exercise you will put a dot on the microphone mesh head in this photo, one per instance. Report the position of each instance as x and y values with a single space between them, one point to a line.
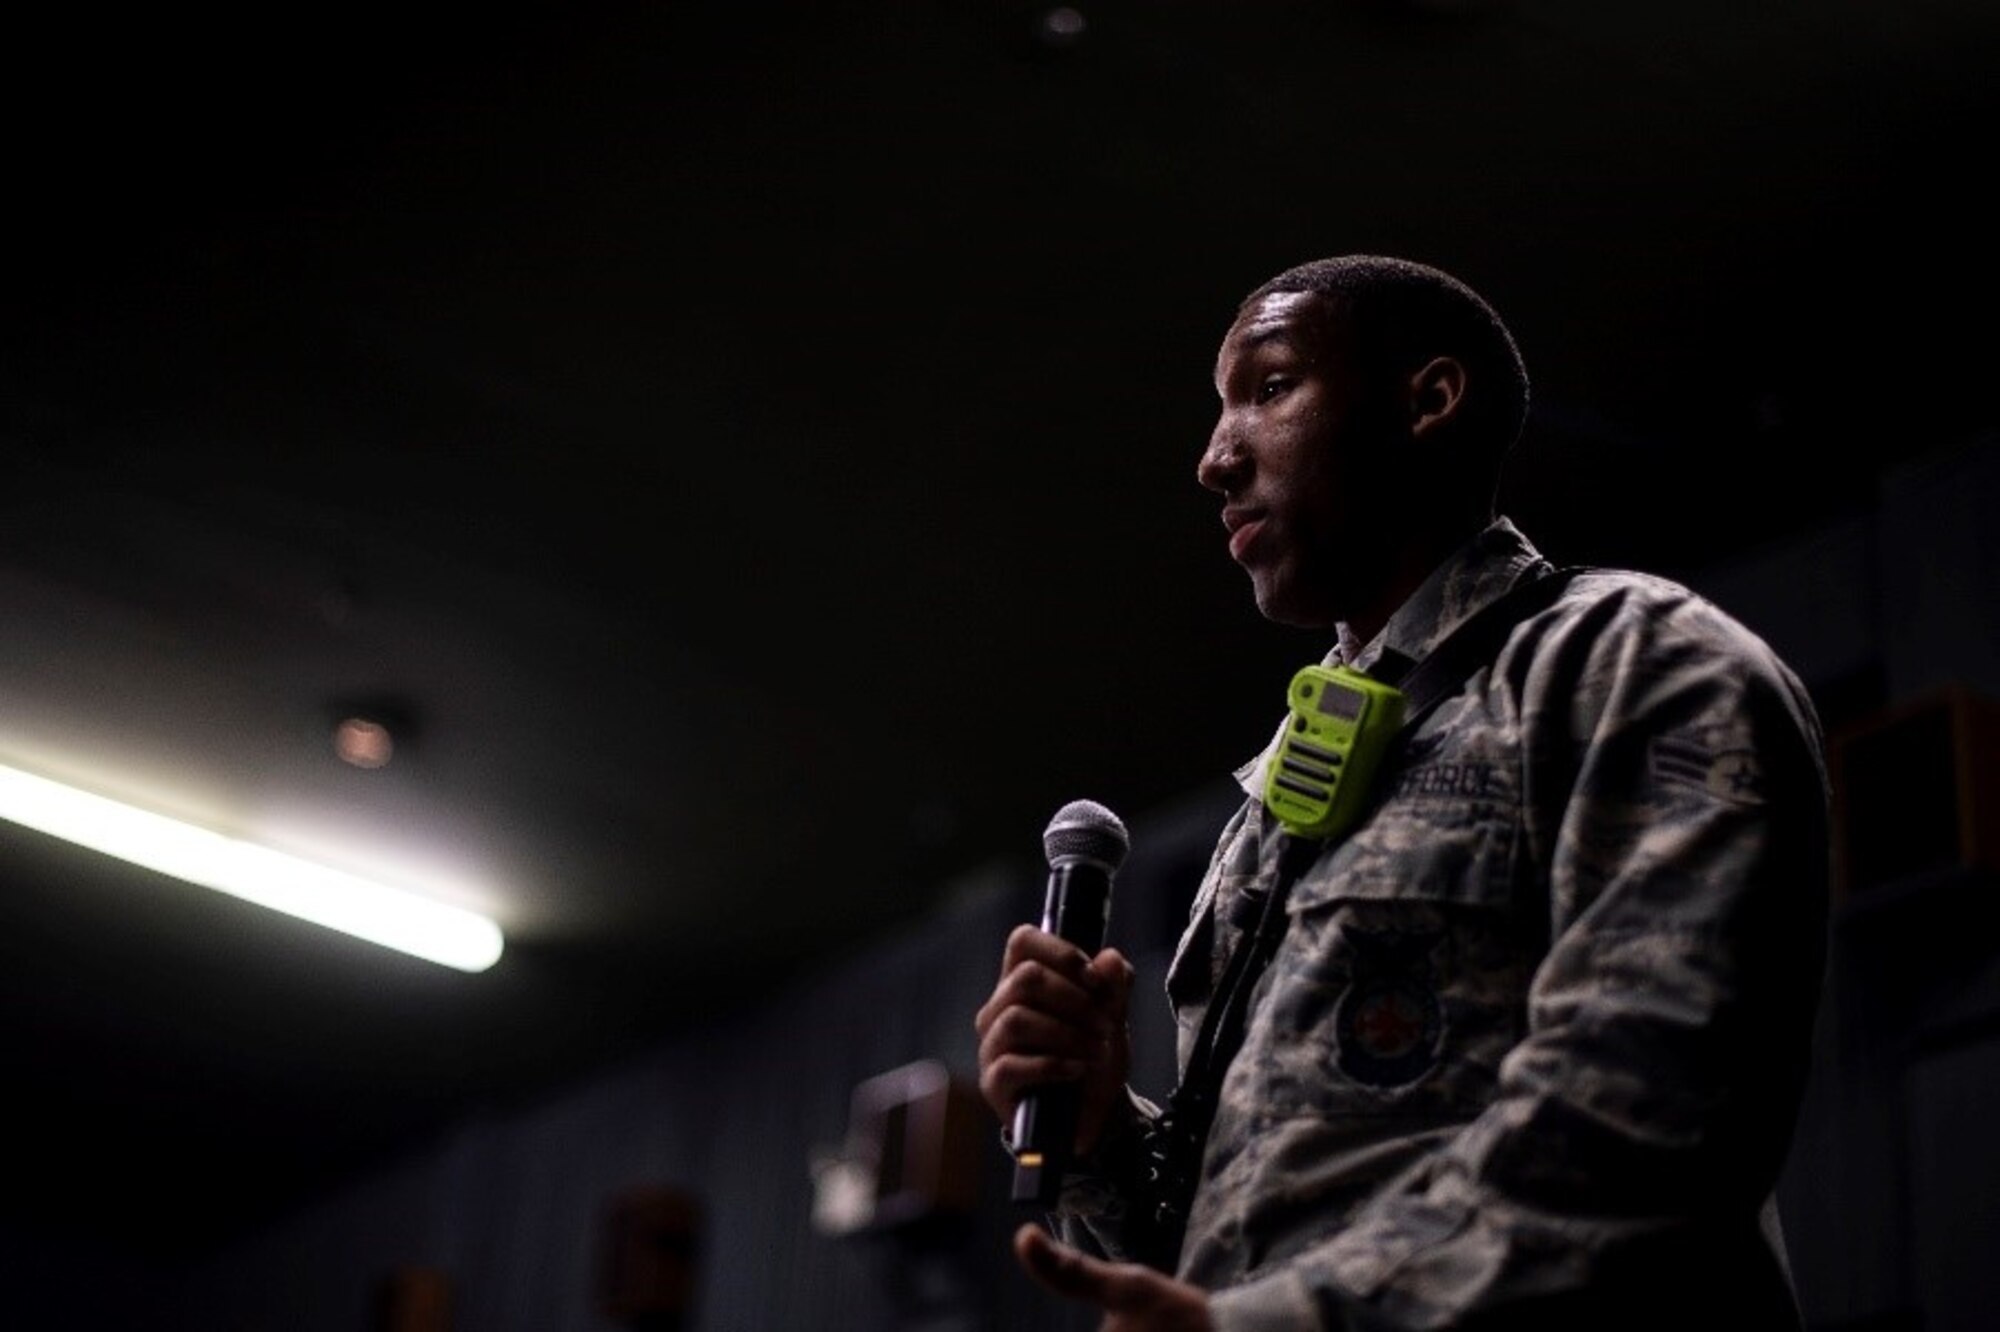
1086 830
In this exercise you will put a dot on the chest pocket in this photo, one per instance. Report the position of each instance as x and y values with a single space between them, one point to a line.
1401 982
1445 828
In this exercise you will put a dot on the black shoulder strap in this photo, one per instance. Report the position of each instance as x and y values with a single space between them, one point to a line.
1476 641
1175 1152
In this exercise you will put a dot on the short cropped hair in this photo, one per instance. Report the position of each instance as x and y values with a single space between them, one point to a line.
1401 315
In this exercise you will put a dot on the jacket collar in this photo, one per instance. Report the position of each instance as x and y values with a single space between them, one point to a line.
1473 576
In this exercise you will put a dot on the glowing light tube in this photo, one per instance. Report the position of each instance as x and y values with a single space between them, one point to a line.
388 916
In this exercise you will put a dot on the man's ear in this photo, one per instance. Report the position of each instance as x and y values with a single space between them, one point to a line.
1436 393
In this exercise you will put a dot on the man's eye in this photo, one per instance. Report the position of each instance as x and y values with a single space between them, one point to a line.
1272 387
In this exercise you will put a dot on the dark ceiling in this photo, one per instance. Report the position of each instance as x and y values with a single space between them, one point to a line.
755 446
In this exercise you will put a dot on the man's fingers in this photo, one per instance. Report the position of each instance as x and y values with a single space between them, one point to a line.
1035 986
1024 1031
1109 971
1045 972
1027 943
1055 1016
1059 1267
1006 1080
1109 980
1113 1287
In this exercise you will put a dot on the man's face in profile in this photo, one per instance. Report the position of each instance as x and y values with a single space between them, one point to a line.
1298 453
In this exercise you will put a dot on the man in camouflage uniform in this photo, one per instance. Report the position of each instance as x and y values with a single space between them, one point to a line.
1530 1048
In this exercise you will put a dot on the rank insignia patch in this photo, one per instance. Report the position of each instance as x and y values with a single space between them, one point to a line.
1728 773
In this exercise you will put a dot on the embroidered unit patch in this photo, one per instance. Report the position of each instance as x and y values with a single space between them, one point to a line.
1388 1023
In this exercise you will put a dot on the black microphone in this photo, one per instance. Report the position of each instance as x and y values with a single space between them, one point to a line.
1085 844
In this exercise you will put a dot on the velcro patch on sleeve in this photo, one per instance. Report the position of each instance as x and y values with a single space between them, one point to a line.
1724 772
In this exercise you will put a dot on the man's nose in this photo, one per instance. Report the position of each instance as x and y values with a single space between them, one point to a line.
1224 462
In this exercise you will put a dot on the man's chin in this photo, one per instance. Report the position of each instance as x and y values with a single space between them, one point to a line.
1281 603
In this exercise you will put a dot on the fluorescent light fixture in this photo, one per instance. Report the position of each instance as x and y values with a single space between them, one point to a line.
338 900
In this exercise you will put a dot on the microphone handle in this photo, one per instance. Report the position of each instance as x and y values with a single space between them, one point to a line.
1077 909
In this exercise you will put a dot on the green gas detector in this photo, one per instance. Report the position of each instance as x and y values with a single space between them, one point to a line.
1342 723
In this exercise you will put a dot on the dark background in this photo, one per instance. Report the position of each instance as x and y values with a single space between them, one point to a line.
753 447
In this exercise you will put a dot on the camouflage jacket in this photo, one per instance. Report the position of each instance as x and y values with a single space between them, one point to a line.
1531 1048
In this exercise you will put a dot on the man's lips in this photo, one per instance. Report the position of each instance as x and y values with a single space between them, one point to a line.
1243 525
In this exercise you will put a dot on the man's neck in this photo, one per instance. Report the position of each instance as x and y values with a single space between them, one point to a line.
1413 562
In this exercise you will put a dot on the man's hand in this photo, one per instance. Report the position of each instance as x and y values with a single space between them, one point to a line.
1134 1298
1056 1016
